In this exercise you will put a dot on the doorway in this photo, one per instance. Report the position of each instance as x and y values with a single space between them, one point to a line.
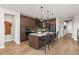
9 28
68 27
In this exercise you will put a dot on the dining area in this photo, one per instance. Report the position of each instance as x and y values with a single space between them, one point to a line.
43 40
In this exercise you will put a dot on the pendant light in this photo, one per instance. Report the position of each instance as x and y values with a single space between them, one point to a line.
47 14
42 13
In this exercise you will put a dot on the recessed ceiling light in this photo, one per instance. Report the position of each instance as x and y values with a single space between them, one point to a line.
41 19
51 13
42 12
18 9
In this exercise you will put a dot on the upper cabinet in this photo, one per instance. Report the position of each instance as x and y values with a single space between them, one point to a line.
38 23
27 21
51 21
24 22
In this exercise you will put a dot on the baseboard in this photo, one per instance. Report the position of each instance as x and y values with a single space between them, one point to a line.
9 40
17 42
2 47
60 36
75 39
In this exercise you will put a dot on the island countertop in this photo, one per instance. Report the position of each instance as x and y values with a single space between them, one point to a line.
41 34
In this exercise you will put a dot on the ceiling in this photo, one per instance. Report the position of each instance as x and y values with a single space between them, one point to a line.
34 10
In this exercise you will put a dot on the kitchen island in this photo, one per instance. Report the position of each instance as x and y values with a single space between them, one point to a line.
34 39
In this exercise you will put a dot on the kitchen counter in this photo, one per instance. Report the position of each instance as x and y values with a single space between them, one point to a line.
41 34
34 39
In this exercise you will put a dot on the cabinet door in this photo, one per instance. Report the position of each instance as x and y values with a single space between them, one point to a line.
22 33
22 21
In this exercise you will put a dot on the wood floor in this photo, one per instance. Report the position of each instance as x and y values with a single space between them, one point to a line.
64 46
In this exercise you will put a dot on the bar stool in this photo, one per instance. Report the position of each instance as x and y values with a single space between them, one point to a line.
52 41
56 36
45 41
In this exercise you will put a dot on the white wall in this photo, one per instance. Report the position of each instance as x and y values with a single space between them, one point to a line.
59 26
1 28
16 25
10 18
73 27
76 26
69 27
17 29
62 27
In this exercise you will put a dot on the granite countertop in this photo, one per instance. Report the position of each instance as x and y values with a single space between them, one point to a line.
41 34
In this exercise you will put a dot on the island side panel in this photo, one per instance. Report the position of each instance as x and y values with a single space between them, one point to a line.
33 41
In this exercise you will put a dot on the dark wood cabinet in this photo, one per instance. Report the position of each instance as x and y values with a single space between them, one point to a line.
22 33
24 22
35 41
38 23
51 25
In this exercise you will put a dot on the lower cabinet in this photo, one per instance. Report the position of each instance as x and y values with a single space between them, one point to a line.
35 42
